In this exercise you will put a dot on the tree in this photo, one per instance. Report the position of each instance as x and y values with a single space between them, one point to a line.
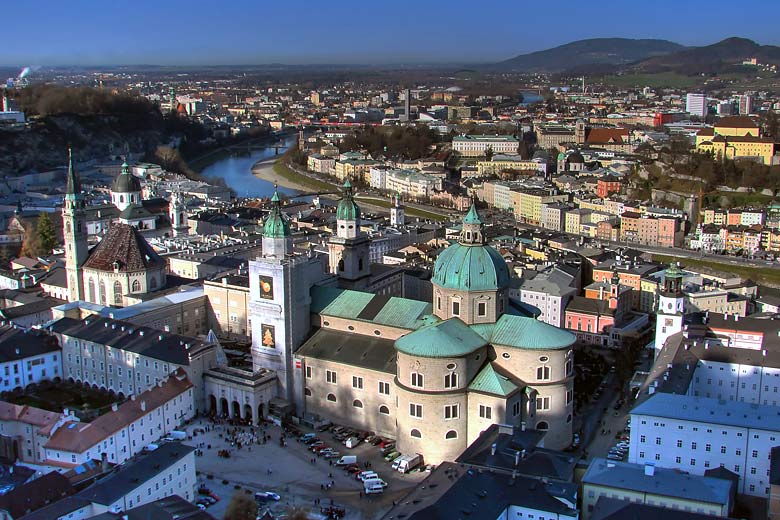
522 149
47 238
488 153
241 507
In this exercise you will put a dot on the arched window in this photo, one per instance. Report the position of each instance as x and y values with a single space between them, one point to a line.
543 373
307 392
452 434
543 426
153 283
136 286
117 293
416 433
341 264
384 410
181 217
360 264
91 290
102 292
357 404
331 398
121 198
67 226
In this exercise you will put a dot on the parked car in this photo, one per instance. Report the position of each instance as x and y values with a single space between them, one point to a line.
612 456
267 495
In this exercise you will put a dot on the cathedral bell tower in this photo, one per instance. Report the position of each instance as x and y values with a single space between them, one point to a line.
177 212
74 221
397 212
348 248
277 240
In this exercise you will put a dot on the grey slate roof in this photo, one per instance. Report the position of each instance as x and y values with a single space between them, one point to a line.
18 344
667 482
352 349
135 472
615 509
127 336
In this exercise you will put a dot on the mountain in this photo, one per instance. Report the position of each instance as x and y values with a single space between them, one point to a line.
719 57
596 51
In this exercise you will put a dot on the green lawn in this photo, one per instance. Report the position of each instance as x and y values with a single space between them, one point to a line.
412 212
766 275
282 170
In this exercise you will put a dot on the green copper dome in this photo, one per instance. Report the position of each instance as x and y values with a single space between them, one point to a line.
347 208
470 268
444 339
276 225
470 264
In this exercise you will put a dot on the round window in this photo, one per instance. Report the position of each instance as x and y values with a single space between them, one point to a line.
544 359
505 355
377 332
350 327
326 323
451 366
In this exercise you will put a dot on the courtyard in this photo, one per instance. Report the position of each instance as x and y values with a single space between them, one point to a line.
296 474
86 402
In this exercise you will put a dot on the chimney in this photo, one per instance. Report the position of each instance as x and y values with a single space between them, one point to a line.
114 407
104 462
517 458
649 469
132 397
143 406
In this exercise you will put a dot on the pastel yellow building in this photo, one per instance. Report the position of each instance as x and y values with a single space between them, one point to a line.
734 138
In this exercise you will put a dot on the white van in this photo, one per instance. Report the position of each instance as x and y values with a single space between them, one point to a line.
376 485
409 462
367 475
346 460
396 462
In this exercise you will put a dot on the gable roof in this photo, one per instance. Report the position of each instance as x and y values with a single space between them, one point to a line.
490 381
35 494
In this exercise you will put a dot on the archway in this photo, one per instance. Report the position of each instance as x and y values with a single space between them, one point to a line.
212 404
248 413
223 407
236 410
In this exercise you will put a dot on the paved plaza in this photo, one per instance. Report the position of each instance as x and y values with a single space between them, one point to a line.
289 470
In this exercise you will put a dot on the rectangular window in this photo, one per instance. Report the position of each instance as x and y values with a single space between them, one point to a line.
456 308
451 411
357 382
308 372
485 412
415 410
417 379
543 373
542 403
451 381
482 309
516 409
330 376
384 388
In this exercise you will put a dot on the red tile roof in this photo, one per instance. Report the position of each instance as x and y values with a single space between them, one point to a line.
736 122
607 135
124 245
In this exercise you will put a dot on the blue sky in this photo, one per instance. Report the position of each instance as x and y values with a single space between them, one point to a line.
191 32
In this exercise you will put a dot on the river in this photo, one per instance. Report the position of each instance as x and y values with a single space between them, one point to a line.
530 97
237 171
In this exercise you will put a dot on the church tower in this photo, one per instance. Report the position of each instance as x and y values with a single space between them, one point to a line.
74 221
348 249
671 307
277 240
126 190
177 212
397 212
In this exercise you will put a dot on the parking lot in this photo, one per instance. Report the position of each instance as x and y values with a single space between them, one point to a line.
296 474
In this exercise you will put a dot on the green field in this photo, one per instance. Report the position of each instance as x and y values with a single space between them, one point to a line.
282 170
737 199
664 79
763 275
412 212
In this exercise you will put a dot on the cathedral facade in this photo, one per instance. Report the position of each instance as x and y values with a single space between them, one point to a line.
432 375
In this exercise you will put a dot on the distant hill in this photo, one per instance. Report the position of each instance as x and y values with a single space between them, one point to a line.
596 51
716 58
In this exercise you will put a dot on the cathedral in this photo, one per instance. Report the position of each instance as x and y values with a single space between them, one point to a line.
432 375
122 263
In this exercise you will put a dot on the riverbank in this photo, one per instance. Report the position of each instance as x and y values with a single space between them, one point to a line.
274 170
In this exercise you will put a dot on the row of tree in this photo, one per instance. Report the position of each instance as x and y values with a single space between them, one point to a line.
407 142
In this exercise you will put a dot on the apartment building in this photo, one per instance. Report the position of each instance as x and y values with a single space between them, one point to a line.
27 357
127 429
515 162
694 434
228 299
478 145
126 358
647 484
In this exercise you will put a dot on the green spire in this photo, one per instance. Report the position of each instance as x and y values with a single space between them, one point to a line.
125 168
276 225
347 208
472 217
73 186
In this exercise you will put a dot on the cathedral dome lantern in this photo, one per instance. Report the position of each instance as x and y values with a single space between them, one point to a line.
126 190
347 208
470 278
277 239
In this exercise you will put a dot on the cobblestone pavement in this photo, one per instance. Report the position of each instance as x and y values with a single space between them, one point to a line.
289 471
